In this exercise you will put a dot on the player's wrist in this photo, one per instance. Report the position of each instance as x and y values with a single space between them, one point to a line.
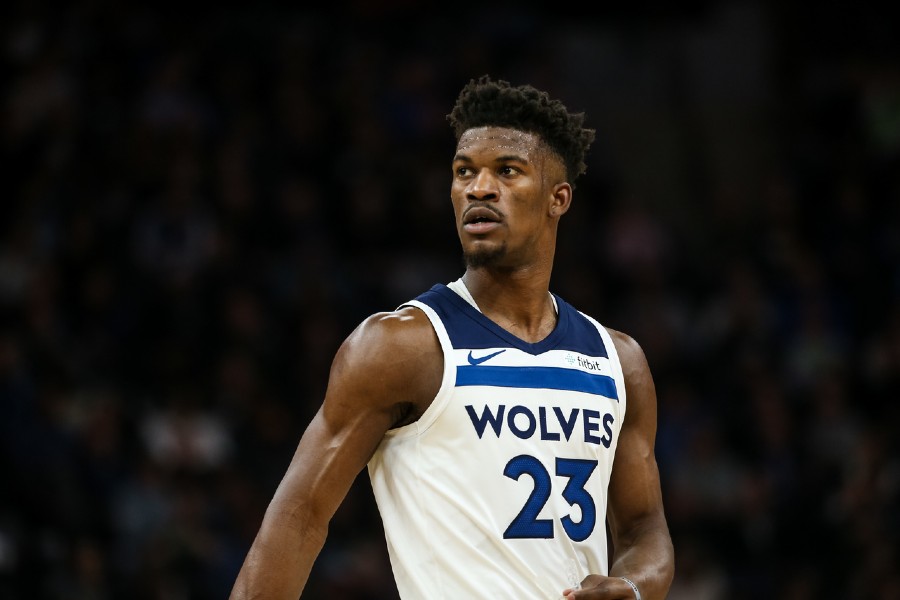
633 586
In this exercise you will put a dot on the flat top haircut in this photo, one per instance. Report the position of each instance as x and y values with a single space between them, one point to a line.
488 103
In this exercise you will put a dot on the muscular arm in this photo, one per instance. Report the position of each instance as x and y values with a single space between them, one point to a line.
387 369
642 547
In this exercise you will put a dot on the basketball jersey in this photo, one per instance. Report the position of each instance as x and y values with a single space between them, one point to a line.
499 489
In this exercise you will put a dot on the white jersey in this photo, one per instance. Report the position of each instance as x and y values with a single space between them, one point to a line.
499 490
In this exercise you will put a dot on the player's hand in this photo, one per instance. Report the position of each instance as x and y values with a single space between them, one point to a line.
598 587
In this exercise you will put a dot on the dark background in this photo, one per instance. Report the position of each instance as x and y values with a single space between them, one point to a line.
199 205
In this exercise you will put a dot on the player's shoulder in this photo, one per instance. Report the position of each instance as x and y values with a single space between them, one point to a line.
405 322
393 356
392 334
631 355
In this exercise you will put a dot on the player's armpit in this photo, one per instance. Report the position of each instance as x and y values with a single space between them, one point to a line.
390 361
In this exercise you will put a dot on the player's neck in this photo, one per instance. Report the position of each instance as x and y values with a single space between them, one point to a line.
520 302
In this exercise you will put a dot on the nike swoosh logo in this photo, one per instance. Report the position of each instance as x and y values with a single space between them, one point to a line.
481 359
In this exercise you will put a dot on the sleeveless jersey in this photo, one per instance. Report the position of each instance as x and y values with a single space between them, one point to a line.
499 489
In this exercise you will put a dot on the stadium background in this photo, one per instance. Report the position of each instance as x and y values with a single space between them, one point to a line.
200 204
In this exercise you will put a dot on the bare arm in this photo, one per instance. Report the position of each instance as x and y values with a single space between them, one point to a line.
642 545
386 371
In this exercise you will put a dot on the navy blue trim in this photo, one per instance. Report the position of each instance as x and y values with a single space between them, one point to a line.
572 332
553 378
485 335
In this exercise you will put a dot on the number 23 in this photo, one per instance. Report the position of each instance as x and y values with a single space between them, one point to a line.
526 524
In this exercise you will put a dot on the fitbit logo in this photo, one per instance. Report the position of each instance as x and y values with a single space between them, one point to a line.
590 365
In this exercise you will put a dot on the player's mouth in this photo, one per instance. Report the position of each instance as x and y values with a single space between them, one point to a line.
480 219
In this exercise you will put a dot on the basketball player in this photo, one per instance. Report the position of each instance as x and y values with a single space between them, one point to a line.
502 428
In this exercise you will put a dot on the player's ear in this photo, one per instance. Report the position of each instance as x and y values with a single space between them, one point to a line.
561 199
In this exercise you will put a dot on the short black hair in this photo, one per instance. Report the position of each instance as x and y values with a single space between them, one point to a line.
485 102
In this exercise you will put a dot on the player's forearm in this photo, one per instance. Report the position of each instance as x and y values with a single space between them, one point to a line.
279 561
648 560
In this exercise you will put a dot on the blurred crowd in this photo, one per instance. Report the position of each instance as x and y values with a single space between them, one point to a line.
200 206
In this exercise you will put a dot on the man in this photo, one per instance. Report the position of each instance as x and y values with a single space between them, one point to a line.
501 427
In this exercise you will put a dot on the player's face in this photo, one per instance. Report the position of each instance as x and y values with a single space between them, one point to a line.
506 197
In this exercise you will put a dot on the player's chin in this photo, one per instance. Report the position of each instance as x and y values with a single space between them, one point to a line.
484 255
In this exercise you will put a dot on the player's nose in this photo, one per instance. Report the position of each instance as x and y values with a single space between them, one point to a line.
483 186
